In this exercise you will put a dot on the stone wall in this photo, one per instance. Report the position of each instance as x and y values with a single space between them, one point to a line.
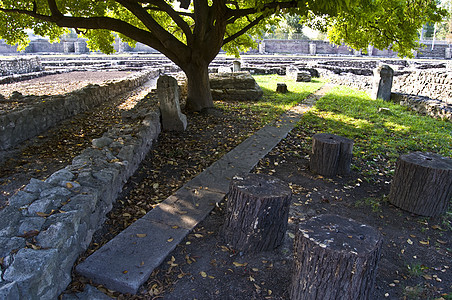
21 65
424 105
432 84
46 111
50 223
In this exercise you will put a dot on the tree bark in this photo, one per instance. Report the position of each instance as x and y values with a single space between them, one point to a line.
257 213
199 96
422 183
331 154
334 258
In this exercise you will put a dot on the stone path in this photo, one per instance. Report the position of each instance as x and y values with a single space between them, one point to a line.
126 262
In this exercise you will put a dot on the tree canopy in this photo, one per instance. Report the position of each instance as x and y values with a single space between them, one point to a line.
192 32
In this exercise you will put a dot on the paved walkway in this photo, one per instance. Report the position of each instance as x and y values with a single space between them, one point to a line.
126 262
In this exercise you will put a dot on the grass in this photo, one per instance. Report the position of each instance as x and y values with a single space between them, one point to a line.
272 105
381 130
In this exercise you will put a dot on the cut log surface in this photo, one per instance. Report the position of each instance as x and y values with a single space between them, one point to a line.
331 154
334 258
422 183
257 213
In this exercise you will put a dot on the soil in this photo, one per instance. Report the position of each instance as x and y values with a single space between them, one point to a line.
416 257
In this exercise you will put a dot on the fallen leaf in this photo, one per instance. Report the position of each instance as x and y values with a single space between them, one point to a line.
125 272
170 240
237 264
141 235
198 235
203 274
409 241
424 242
69 185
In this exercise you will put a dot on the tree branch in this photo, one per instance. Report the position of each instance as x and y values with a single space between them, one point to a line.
244 29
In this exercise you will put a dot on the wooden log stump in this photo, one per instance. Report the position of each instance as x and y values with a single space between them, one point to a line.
257 213
281 88
331 154
422 183
334 258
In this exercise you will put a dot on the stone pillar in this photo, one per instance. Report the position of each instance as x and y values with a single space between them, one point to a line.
382 85
236 66
68 47
80 47
262 47
414 53
447 54
357 52
370 50
312 49
168 92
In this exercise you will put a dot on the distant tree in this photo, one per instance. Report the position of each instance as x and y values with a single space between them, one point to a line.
192 32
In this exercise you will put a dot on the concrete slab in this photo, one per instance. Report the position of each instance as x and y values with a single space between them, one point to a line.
125 263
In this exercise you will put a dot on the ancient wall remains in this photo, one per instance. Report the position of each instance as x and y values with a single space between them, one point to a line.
62 213
10 66
29 121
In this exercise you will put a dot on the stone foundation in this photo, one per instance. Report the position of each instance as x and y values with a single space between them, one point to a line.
45 112
20 65
50 223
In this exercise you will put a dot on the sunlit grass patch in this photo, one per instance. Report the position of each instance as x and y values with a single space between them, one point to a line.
273 104
381 130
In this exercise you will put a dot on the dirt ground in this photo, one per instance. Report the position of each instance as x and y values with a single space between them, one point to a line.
416 256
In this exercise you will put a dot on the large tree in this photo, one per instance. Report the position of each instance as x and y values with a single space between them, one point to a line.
192 32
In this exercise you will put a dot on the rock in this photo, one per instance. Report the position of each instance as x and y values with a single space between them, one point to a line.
292 72
29 224
234 86
22 198
59 176
101 142
9 244
37 186
168 92
55 192
382 85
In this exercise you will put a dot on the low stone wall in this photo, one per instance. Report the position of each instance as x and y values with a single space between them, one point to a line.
45 112
435 85
50 223
20 65
424 105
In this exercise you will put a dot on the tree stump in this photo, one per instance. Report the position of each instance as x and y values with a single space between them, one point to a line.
257 213
334 258
422 183
281 88
331 154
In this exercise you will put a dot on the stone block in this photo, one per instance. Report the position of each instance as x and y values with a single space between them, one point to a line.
382 85
234 86
168 92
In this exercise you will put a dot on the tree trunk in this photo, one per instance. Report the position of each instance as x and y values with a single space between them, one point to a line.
257 213
199 96
331 154
422 183
334 258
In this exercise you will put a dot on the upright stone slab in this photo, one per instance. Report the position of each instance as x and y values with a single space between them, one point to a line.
312 49
168 92
370 50
447 53
236 66
383 76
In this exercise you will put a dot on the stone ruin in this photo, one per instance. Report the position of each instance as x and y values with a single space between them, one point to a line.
234 86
